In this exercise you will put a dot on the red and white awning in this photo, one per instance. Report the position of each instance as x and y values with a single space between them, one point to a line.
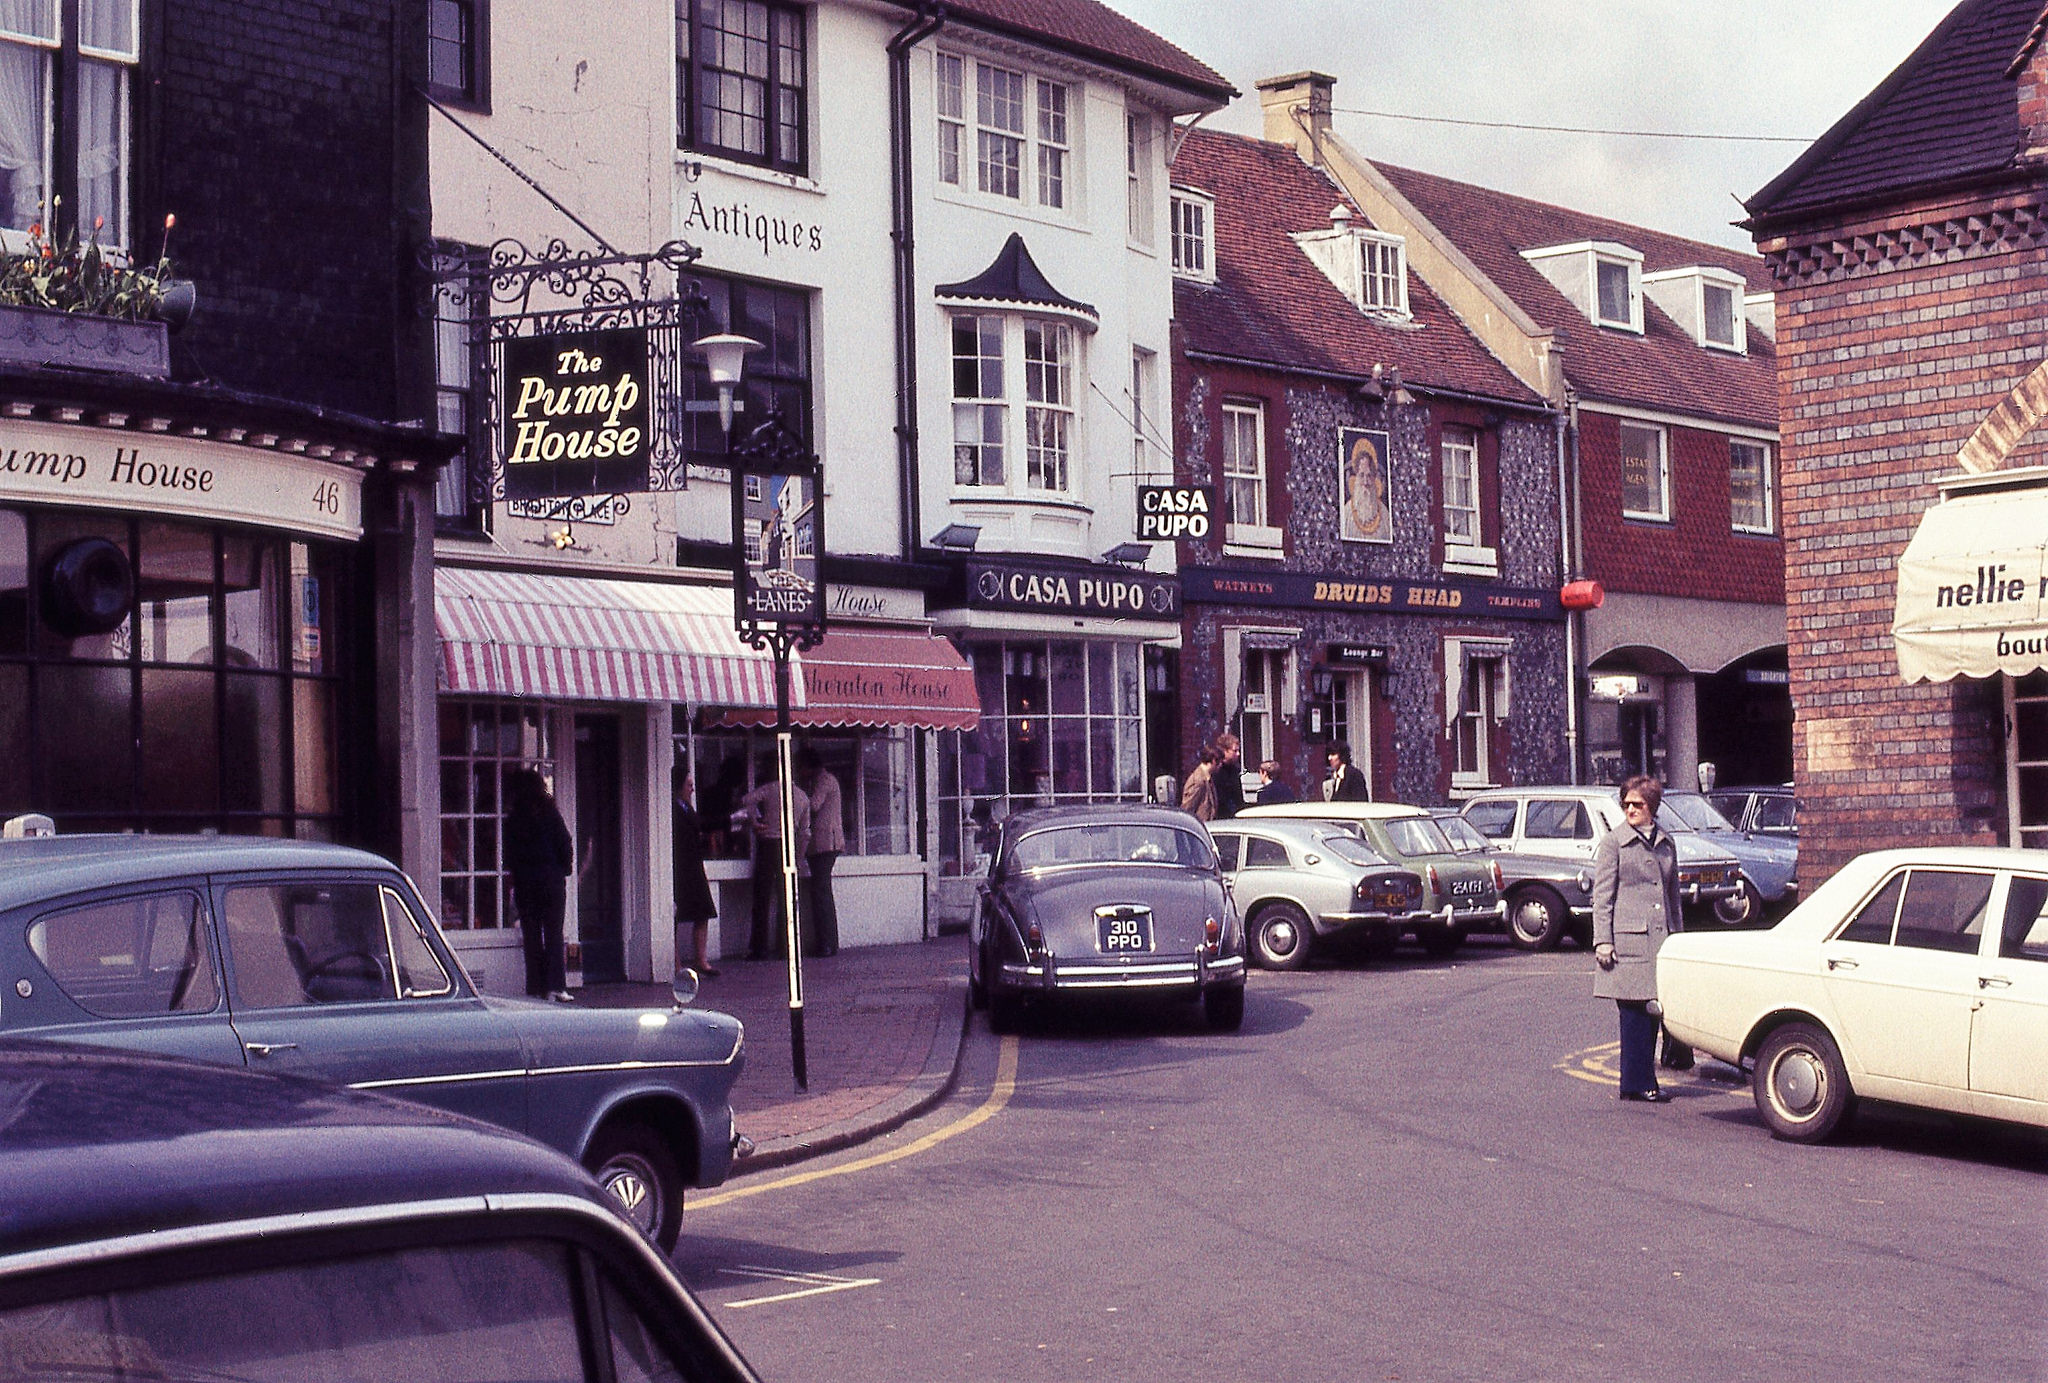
582 638
888 675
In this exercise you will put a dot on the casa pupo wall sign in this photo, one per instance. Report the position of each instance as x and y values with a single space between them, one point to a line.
575 414
1075 590
1168 513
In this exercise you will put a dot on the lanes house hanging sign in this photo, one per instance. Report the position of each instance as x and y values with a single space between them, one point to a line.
575 414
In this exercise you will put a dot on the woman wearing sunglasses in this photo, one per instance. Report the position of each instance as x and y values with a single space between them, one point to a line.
1635 906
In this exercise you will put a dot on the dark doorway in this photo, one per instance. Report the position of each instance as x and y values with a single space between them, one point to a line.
1639 737
1745 719
599 877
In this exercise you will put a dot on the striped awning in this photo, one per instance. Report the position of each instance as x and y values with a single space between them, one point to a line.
888 675
582 638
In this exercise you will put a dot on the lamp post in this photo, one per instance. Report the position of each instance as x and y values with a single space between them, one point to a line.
778 598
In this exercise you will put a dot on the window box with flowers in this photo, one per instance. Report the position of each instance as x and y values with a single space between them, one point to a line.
84 306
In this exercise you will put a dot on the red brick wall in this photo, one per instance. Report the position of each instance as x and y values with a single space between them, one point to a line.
1698 553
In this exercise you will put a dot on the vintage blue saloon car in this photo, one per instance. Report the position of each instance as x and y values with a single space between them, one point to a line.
316 960
1124 900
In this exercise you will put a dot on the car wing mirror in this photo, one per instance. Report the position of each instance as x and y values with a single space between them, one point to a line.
683 988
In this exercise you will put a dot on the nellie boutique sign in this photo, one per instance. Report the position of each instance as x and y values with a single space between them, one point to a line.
575 414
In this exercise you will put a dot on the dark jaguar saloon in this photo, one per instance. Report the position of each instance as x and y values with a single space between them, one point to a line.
1102 900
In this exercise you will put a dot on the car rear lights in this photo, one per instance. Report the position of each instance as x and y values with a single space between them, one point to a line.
1500 880
1435 884
1034 940
1212 935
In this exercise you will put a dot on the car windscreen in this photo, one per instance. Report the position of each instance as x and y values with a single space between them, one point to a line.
1106 842
1417 835
1693 811
1350 849
1464 838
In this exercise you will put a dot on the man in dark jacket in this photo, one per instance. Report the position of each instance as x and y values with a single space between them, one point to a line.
1272 787
1345 783
1229 775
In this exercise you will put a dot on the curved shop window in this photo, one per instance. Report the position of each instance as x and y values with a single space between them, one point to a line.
167 676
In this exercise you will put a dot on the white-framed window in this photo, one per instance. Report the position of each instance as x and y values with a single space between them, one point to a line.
1707 302
1752 495
1262 686
1475 701
992 352
1460 451
1246 519
1614 285
1645 472
78 55
1138 174
1141 407
1604 279
1192 216
1023 129
1382 273
1720 325
481 742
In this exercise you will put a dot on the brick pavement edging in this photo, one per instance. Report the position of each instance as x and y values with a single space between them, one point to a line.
931 1085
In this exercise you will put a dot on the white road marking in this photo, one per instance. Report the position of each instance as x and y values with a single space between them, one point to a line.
812 1284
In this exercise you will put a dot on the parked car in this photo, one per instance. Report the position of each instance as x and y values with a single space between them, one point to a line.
1917 976
1770 864
167 1219
1298 883
1459 893
1101 900
1533 884
1564 823
312 959
1764 810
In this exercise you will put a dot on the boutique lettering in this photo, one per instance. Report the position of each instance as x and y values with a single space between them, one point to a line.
1992 587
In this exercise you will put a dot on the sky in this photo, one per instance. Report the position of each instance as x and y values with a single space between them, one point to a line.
1750 67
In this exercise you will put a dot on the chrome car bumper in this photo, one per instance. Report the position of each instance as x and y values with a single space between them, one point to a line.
1054 975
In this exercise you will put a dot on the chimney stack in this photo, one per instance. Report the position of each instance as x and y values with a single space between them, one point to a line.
1307 93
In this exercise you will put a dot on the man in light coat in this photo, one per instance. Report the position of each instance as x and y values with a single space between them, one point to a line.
1635 906
828 843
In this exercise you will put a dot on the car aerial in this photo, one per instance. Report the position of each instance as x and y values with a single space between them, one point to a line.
1765 810
1101 900
1298 883
1916 976
318 960
173 1220
1770 863
1564 824
1460 894
1530 880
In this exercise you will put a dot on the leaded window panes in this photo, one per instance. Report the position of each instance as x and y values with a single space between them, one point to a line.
1049 403
742 81
482 742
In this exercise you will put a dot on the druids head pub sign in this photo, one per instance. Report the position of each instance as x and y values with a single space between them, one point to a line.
575 415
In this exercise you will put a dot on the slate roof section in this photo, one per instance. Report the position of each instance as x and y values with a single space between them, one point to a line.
1664 368
1014 278
1271 305
1092 30
1948 113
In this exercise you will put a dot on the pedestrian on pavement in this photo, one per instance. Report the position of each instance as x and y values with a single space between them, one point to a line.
1229 776
828 843
762 810
1345 783
1635 906
1272 787
539 856
1198 794
694 906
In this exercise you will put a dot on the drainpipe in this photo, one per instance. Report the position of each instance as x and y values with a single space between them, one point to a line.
1560 426
1575 620
910 503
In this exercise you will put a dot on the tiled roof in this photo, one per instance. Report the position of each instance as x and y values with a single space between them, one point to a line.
1094 30
1013 277
1663 368
1949 111
1271 304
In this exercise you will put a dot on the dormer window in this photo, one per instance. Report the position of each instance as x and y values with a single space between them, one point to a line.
1603 280
1193 235
1370 266
1706 302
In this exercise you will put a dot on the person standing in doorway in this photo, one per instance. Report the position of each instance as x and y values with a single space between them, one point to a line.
694 907
762 809
1198 794
1229 776
1345 783
1635 906
1274 789
828 843
539 856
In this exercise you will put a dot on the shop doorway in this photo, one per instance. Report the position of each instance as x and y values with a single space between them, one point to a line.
1639 739
600 878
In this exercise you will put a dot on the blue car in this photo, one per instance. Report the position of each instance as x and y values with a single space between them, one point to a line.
315 960
1770 863
164 1219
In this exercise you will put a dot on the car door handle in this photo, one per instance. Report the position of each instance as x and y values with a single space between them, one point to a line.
1837 963
266 1048
1993 982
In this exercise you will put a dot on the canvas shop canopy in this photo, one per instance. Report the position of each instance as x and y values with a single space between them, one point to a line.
1973 583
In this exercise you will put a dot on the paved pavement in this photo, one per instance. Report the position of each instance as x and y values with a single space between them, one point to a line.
882 1037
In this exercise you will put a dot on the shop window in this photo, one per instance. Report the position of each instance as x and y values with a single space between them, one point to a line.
985 410
875 769
482 742
458 52
742 81
1645 473
1752 498
67 65
2026 758
778 376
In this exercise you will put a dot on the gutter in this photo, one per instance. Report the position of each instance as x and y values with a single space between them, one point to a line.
910 500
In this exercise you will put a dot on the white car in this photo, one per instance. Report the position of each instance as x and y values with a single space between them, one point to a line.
1916 976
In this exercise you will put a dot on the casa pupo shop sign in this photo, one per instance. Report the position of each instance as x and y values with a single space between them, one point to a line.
1110 591
576 415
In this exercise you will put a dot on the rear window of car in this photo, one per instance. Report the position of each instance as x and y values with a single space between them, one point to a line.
1109 843
1417 835
1557 819
1260 853
130 957
1463 837
1350 849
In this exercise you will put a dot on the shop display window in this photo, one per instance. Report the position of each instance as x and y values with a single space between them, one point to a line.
876 770
481 742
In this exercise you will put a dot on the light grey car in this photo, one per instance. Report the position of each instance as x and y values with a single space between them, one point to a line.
1297 883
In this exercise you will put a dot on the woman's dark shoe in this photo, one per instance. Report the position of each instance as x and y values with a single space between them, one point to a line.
1646 1096
709 972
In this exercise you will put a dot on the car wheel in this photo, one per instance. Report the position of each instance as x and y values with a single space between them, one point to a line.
1536 918
1746 906
1439 942
1802 1088
637 1170
1005 1011
1281 937
1224 1008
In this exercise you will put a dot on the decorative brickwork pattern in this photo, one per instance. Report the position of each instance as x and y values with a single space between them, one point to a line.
1997 230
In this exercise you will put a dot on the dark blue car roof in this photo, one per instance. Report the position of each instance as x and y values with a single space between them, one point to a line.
55 866
99 1144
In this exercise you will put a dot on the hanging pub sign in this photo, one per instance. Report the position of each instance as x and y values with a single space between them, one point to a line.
1168 513
1365 486
780 528
574 414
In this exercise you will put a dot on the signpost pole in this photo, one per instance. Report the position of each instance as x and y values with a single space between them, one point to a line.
786 768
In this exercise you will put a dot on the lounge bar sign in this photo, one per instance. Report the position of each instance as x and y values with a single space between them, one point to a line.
575 415
1169 513
1305 590
1075 590
1355 655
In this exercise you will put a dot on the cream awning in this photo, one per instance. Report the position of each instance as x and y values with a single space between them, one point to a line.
1973 588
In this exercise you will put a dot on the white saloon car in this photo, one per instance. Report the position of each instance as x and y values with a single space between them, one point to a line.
1915 976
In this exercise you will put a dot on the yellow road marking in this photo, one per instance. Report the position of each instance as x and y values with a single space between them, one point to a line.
1600 1065
998 1096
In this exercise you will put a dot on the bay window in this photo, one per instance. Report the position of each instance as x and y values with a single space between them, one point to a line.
985 347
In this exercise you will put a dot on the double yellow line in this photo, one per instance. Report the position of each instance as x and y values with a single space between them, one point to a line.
998 1097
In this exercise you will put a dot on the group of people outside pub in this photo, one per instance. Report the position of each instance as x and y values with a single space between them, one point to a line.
1214 790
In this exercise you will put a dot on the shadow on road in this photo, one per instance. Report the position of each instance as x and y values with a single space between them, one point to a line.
1925 1132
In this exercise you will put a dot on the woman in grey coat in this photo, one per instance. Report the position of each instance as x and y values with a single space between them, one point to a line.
1635 906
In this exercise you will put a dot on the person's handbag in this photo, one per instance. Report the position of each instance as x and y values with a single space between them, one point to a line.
1676 1056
